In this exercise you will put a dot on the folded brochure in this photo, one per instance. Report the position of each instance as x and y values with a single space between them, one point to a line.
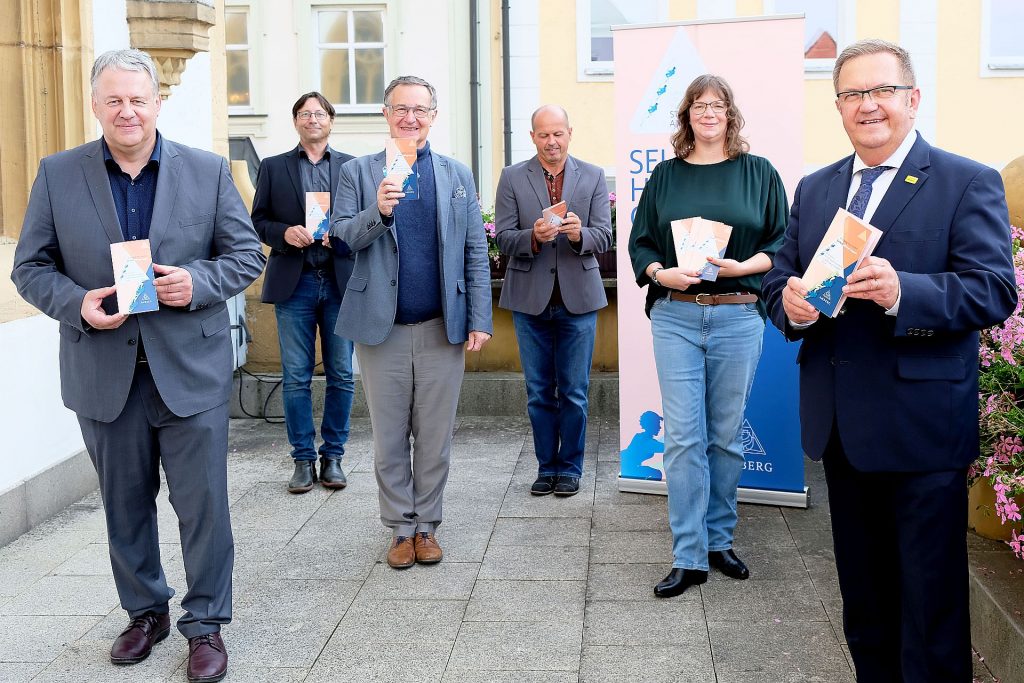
695 240
133 276
847 242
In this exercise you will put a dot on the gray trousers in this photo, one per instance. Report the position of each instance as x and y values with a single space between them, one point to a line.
127 454
412 382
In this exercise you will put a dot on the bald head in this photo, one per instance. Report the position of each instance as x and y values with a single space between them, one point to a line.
549 113
551 133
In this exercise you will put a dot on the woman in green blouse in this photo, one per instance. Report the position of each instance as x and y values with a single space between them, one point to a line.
707 335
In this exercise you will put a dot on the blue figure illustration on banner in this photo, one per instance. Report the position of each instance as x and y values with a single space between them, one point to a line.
642 458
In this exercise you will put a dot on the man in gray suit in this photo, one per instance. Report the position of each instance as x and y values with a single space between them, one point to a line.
411 322
152 388
553 288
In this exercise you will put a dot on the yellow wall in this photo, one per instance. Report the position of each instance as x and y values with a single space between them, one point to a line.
959 35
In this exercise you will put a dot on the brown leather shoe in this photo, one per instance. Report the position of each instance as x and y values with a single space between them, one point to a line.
427 549
136 641
402 553
207 658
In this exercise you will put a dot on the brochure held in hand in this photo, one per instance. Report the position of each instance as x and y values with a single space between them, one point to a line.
695 240
399 164
133 276
847 242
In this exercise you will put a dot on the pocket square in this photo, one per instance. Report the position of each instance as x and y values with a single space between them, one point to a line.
459 193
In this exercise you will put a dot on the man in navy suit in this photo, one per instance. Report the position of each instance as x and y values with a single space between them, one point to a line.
305 281
889 388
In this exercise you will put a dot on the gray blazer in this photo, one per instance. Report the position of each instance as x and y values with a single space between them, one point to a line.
530 278
371 300
199 223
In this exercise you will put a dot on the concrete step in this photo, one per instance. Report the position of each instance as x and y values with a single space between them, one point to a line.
997 607
483 393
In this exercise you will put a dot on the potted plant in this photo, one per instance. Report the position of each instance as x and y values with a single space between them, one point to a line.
997 494
498 261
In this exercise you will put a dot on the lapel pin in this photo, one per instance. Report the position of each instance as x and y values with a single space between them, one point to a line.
912 179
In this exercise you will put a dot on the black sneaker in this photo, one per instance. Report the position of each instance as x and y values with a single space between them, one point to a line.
567 486
544 485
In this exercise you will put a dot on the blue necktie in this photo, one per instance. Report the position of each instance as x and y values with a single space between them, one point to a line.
860 199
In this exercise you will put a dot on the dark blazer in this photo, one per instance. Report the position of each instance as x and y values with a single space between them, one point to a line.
530 278
199 223
279 204
903 390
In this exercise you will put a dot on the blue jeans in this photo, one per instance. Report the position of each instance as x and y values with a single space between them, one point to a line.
314 303
556 349
706 358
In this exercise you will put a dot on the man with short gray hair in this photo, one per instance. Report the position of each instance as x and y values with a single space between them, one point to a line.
152 388
889 388
418 298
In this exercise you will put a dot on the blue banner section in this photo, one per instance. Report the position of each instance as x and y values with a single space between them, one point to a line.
771 428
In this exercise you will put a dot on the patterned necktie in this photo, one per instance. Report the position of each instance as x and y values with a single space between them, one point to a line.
860 200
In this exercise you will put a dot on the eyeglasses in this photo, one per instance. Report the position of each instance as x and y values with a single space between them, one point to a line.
320 115
882 92
401 111
718 106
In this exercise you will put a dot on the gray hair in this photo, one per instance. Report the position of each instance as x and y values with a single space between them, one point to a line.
874 46
125 60
551 107
410 80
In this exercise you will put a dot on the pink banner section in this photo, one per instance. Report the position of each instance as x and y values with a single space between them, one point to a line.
762 59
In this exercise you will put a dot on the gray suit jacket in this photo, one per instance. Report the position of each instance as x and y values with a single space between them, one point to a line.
371 300
199 223
530 278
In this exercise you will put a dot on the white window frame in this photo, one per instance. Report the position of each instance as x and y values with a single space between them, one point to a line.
315 9
998 67
586 70
254 80
846 24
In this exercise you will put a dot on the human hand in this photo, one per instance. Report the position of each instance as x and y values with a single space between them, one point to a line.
678 279
326 240
571 227
175 287
476 340
794 303
388 194
727 267
298 236
544 231
876 280
93 313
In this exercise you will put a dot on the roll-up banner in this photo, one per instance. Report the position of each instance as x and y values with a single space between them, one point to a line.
762 59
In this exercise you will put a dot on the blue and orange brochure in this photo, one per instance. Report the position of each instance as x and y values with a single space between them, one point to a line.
318 211
133 276
399 163
847 242
695 240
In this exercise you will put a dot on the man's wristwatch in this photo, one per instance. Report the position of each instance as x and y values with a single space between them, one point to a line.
654 276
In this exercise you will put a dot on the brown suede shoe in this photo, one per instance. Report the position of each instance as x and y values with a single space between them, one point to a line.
427 549
402 553
207 658
136 641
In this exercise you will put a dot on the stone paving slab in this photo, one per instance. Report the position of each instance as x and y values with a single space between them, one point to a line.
531 590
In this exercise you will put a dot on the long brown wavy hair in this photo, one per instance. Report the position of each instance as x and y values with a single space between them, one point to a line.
682 139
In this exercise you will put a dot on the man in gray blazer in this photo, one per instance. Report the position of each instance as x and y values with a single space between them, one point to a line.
151 388
553 288
418 296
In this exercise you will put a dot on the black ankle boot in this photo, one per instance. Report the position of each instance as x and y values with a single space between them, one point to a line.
678 580
726 562
304 476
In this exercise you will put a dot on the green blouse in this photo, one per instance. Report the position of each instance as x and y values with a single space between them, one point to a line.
745 192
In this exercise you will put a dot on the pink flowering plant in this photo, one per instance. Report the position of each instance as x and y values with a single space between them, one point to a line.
1001 382
493 252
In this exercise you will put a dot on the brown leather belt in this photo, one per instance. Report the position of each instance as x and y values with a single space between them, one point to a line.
714 299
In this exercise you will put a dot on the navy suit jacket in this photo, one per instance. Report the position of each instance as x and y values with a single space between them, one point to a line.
903 390
279 204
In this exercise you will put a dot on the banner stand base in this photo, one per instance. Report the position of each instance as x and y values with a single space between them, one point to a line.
758 496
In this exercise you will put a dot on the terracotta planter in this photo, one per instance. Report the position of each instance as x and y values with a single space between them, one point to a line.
981 512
